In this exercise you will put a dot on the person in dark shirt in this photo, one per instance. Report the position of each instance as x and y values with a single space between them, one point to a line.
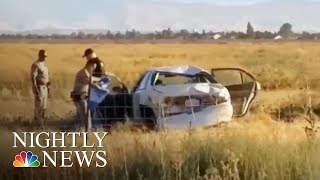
92 58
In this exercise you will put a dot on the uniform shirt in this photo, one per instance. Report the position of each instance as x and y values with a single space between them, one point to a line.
39 73
81 83
99 67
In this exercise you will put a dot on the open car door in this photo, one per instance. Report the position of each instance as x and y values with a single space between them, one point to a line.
242 86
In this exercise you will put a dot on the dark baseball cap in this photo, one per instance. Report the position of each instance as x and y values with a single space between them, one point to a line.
42 52
87 52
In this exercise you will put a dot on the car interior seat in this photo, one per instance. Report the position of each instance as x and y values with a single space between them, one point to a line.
159 82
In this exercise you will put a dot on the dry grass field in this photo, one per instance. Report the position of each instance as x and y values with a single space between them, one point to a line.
269 143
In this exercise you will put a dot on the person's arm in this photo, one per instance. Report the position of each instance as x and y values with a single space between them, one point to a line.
34 73
88 76
102 68
49 82
49 85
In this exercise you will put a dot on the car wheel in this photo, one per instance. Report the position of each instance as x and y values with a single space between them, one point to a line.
150 122
149 118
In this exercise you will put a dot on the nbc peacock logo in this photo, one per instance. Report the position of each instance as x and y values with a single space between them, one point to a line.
26 160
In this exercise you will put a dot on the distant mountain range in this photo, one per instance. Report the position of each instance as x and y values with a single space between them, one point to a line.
98 16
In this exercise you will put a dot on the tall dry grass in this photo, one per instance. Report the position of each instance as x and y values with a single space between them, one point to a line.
283 65
258 148
254 147
276 65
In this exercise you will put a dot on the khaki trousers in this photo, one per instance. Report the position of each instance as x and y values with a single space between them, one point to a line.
82 113
40 106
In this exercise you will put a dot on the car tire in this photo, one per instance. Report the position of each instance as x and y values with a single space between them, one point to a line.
149 118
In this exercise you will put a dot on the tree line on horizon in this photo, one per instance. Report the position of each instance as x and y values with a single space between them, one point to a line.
285 32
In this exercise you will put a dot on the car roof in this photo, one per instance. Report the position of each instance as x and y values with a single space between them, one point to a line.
186 69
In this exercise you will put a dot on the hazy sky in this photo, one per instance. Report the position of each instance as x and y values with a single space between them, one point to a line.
158 14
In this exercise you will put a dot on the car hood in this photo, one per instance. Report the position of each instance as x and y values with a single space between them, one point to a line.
188 90
190 70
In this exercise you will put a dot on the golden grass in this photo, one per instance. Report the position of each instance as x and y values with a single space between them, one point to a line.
258 148
254 147
283 66
276 65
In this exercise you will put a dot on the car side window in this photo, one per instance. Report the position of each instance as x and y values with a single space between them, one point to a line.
246 78
228 78
138 83
144 82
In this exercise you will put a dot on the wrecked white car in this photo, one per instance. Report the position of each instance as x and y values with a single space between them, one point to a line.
184 97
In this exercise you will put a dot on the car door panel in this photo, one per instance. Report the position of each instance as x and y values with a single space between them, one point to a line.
242 91
241 97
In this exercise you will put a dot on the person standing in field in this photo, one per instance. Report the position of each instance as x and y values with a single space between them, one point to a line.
40 87
89 74
92 58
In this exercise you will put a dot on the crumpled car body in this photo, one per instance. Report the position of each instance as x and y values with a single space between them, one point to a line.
186 97
189 105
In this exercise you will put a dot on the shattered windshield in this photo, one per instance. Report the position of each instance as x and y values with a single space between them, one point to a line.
178 79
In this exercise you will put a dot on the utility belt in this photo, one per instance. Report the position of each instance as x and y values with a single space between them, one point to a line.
42 81
41 84
76 96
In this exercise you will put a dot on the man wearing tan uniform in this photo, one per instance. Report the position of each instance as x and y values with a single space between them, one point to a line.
80 91
79 94
40 86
